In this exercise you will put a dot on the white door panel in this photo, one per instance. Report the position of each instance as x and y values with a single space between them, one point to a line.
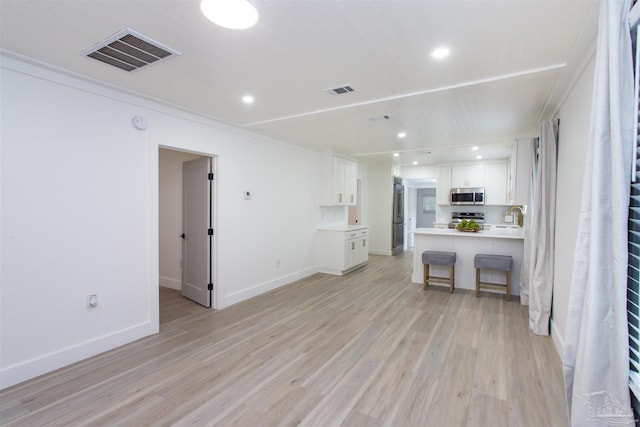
196 213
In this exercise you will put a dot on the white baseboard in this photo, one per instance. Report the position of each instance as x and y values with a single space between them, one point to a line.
331 271
387 253
558 341
30 369
170 283
270 285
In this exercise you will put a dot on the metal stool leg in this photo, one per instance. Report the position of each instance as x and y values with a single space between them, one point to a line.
508 286
477 282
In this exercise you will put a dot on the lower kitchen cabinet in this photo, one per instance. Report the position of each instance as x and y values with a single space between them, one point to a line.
342 249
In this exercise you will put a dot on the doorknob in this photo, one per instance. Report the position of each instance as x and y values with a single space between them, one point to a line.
182 235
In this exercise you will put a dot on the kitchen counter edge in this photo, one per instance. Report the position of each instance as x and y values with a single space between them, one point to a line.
342 228
487 234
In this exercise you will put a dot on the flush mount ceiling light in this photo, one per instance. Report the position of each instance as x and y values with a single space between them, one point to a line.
401 135
440 53
247 99
478 157
232 14
396 154
475 148
415 163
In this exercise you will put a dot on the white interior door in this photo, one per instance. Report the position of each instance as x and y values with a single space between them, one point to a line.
196 229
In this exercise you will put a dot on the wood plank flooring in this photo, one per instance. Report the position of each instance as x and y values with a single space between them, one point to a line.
366 349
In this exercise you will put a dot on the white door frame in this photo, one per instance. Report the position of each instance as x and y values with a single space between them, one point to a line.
154 240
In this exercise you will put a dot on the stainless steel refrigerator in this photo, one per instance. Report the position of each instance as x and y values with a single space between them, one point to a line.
397 231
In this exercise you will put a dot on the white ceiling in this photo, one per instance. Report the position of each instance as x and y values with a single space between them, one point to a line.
510 63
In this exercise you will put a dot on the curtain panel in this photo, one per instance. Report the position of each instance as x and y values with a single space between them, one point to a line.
543 230
595 356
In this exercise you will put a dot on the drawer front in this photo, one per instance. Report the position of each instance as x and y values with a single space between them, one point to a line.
356 234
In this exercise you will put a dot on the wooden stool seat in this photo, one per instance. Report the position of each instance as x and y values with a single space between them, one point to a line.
493 262
439 258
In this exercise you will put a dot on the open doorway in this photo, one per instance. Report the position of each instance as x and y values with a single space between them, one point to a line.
421 206
170 220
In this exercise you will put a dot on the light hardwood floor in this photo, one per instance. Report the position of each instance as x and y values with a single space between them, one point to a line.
366 349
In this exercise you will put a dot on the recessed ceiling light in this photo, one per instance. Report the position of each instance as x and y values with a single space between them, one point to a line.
478 157
232 14
396 154
247 99
441 52
475 148
415 163
401 135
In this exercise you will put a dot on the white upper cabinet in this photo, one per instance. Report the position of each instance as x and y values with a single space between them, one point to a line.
493 177
467 176
495 184
339 181
443 187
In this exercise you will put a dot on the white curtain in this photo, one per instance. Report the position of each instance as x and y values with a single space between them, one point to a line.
526 255
543 230
595 355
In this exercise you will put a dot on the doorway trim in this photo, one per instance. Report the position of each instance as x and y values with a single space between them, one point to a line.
154 232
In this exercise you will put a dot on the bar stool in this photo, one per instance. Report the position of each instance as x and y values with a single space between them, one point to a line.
439 258
493 262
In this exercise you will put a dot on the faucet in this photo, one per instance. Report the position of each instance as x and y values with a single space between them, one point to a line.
520 214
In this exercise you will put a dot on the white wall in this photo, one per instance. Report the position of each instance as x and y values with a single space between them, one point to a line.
79 215
421 172
574 117
170 215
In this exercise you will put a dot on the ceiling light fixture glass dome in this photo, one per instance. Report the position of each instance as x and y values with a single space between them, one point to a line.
440 53
232 14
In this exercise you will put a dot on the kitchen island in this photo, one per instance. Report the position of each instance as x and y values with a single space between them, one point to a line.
497 240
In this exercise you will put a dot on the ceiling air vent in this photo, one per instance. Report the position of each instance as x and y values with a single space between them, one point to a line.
340 90
129 51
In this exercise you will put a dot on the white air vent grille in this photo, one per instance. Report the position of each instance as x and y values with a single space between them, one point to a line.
129 51
340 90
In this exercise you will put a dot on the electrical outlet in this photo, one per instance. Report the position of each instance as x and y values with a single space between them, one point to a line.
92 300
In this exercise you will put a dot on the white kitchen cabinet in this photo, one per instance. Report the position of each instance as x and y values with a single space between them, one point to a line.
443 187
467 176
339 181
342 250
495 184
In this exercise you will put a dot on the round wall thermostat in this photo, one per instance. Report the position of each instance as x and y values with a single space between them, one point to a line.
140 122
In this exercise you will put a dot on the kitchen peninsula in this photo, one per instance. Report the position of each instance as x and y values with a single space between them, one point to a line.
499 240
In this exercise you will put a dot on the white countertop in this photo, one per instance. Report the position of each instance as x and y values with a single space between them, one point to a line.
342 227
494 233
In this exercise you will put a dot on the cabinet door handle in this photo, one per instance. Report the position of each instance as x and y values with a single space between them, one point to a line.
352 198
340 197
364 242
353 246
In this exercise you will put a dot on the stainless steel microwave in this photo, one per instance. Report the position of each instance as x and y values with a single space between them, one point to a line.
467 196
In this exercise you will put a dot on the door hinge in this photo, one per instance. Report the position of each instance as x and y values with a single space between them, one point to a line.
210 232
210 176
210 286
